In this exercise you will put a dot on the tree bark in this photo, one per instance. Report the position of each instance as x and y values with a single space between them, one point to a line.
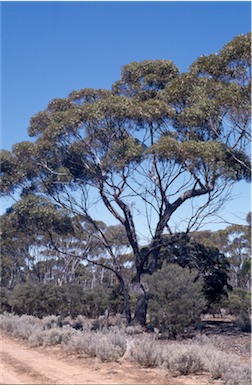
141 307
125 298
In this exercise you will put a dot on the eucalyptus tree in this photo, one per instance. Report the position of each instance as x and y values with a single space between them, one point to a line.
155 142
27 229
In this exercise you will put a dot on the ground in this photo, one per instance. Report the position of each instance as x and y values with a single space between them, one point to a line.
21 364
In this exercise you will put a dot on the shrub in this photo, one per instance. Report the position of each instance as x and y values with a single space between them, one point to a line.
108 346
118 338
16 326
25 299
136 329
52 337
218 363
36 338
8 322
95 302
80 319
46 299
106 350
244 322
176 300
239 301
190 357
201 354
182 359
187 361
238 376
78 343
50 321
67 334
147 352
4 300
23 330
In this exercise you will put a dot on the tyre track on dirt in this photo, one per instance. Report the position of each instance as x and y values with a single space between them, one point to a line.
15 372
21 364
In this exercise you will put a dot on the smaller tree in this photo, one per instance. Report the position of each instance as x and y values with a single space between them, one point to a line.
239 302
176 299
209 263
235 243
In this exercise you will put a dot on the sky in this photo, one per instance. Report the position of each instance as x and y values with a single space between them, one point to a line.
52 48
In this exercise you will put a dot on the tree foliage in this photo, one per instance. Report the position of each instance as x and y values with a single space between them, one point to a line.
176 298
212 266
235 242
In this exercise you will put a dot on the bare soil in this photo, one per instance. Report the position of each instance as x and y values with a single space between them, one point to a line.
21 364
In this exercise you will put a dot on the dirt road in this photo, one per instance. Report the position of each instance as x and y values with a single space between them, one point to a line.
21 364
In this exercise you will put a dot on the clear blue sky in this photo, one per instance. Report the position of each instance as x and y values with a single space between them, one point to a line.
52 48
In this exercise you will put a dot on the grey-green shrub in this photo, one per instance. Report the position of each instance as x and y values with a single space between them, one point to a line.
106 350
107 346
49 337
147 352
37 338
176 300
238 376
50 321
187 361
183 359
16 326
118 338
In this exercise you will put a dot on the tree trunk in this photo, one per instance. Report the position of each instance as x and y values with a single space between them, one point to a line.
125 298
141 307
148 266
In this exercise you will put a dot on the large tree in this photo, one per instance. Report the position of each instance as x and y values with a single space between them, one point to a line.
157 142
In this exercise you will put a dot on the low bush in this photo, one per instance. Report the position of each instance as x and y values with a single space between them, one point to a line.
244 322
37 338
78 343
182 359
238 376
136 329
50 321
147 352
21 327
50 337
217 362
107 346
108 350
8 322
187 360
118 338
